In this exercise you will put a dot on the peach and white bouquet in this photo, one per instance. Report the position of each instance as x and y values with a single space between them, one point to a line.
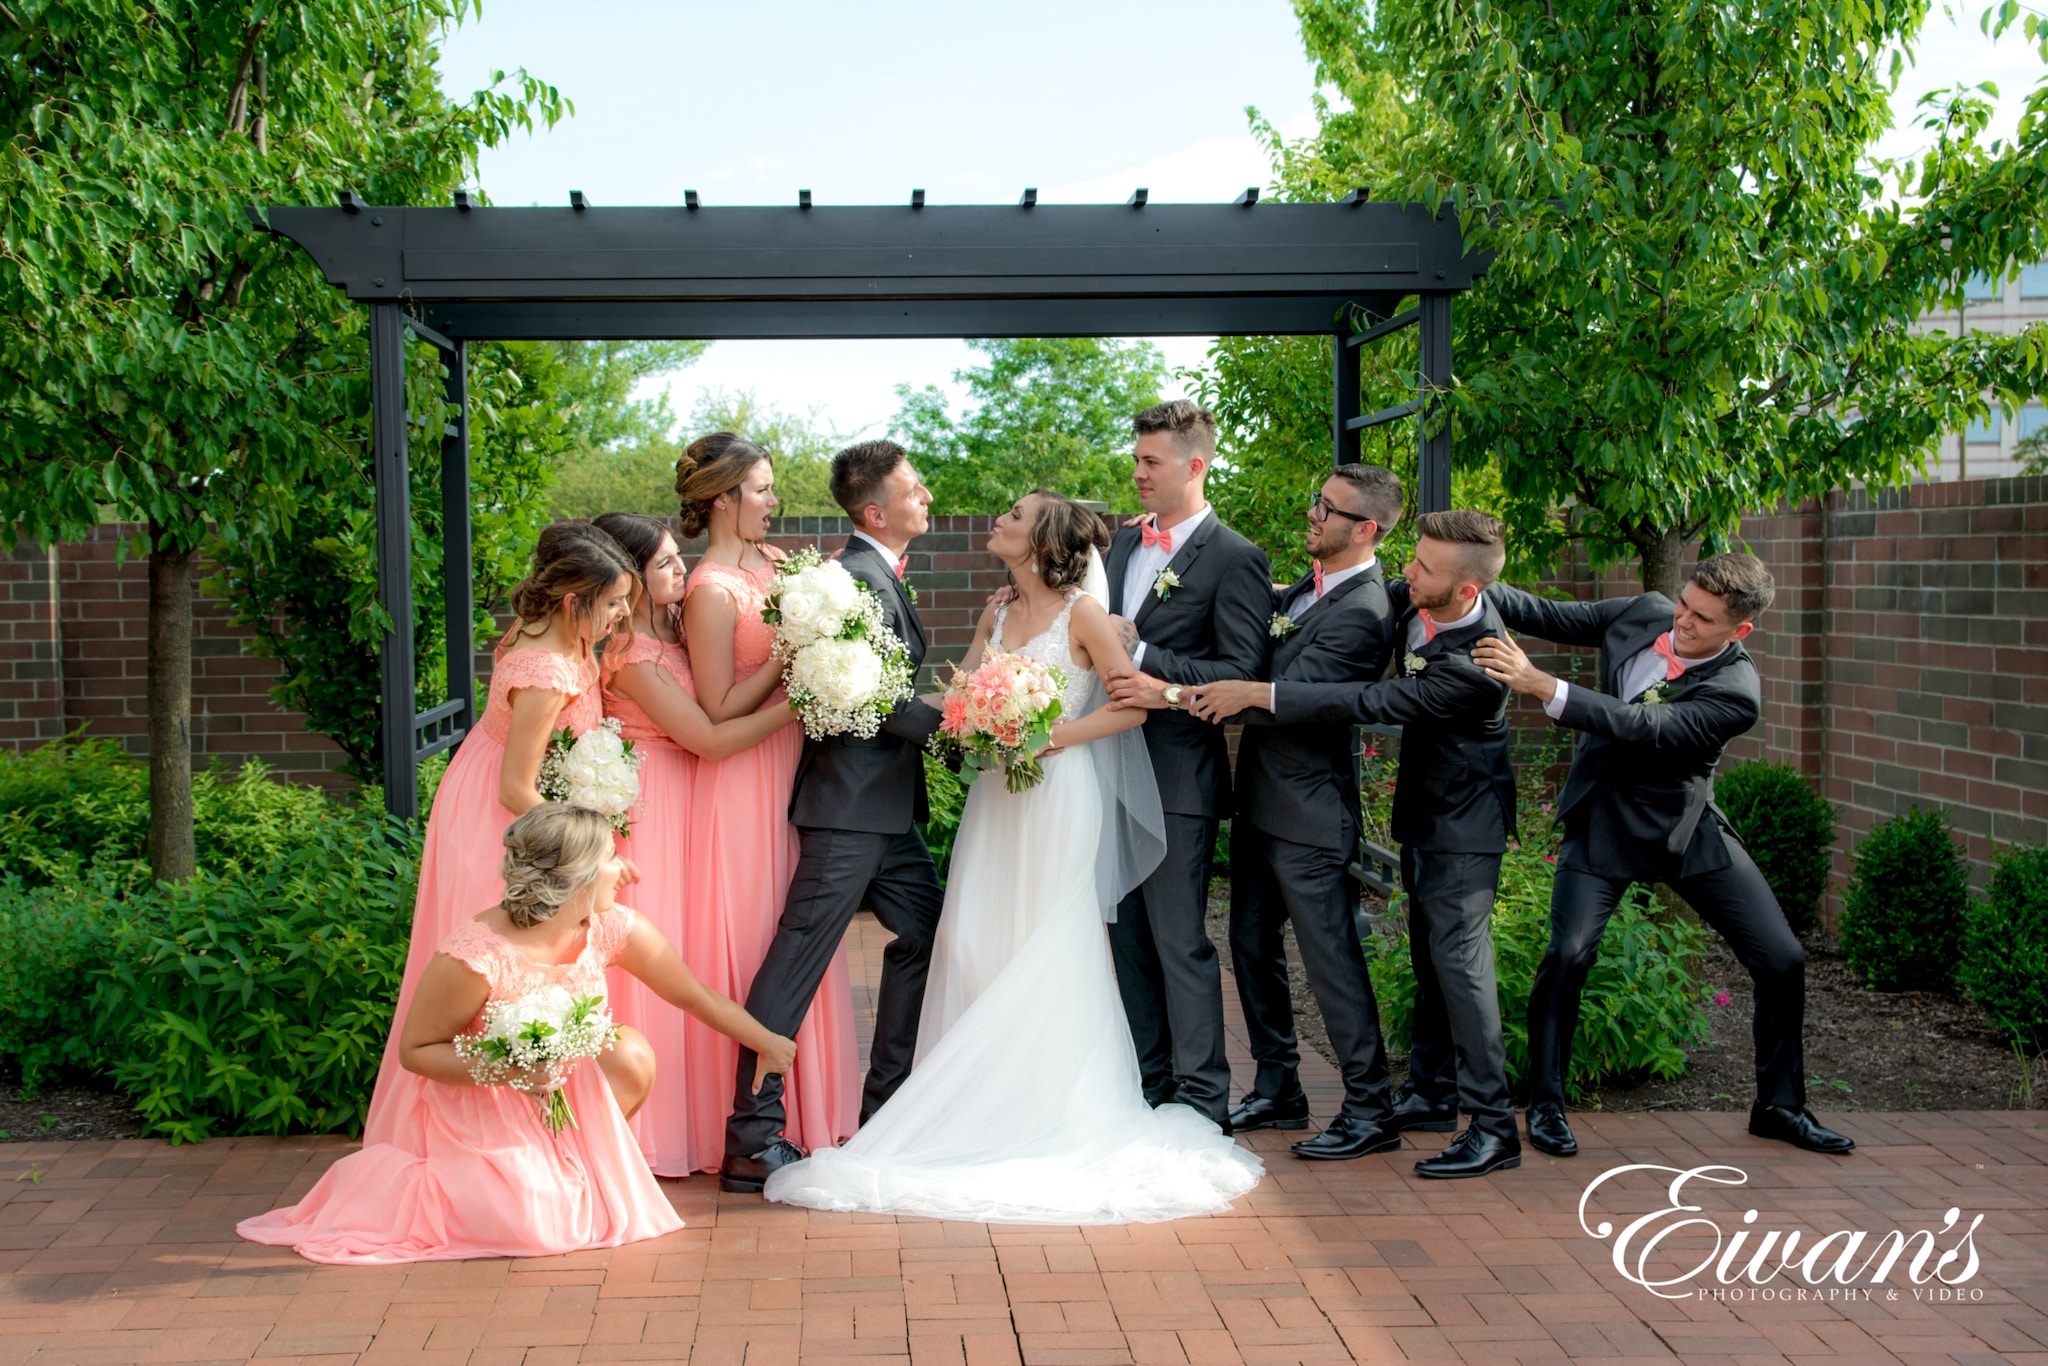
1001 715
844 668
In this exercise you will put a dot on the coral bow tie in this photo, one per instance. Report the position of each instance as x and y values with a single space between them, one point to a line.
1152 535
1319 580
902 565
1428 626
1673 665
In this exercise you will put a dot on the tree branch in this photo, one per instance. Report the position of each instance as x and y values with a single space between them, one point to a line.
238 96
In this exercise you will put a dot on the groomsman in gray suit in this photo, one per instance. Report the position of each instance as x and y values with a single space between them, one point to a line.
1297 823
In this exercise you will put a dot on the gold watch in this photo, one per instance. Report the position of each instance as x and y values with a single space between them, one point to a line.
1171 695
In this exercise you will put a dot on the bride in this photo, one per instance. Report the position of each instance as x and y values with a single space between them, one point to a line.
1025 1104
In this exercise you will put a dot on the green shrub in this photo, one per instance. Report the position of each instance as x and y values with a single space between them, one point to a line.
1902 923
258 1000
947 798
52 939
78 801
2005 963
1640 1012
1788 828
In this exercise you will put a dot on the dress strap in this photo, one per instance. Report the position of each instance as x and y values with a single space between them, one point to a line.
995 638
479 948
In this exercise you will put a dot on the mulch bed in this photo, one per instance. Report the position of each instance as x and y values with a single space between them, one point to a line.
74 1109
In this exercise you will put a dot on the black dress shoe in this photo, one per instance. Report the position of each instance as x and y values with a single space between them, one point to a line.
1348 1137
1413 1112
746 1175
1472 1153
1799 1128
1548 1133
1257 1112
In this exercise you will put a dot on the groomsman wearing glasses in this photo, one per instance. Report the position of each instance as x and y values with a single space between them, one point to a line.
1676 686
1297 823
1454 805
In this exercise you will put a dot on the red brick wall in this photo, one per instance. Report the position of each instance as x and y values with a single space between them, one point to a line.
74 648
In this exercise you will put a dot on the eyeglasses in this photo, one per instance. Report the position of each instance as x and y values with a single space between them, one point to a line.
1322 507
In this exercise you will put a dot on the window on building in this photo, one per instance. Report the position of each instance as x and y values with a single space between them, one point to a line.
2034 281
2033 420
1980 288
1987 430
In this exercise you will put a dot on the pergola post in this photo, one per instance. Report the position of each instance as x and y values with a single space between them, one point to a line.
458 590
394 556
1433 462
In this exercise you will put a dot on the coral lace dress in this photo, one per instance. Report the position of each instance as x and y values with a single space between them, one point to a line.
658 846
461 869
470 1171
742 857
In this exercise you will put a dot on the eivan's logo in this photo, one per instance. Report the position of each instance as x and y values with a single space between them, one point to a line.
1830 1265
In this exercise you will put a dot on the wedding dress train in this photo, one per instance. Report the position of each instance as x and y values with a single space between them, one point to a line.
1025 1104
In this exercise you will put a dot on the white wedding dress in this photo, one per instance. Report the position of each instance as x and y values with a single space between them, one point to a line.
1024 1105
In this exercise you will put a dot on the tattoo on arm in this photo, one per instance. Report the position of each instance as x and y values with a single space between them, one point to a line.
1129 631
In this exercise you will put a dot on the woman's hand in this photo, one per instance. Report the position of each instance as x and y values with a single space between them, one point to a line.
774 1060
631 874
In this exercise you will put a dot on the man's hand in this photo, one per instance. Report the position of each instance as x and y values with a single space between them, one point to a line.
1001 596
1222 700
1505 662
1135 689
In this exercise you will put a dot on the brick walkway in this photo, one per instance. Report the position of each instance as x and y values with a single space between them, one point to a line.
125 1252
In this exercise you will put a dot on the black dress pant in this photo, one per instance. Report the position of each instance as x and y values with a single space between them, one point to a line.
1169 976
1737 904
1457 1048
837 871
1274 881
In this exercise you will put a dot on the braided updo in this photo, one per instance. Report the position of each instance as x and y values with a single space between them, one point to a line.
552 852
1061 537
711 466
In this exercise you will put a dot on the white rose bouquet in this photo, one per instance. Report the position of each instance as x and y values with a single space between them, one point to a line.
598 771
536 1040
845 670
1001 715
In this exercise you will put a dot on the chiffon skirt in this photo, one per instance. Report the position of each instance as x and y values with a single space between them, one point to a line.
1025 1104
461 875
658 847
742 856
473 1172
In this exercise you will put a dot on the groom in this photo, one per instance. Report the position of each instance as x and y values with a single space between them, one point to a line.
855 806
1194 599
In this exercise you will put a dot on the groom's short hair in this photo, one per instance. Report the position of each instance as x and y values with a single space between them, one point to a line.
1738 579
1193 426
859 471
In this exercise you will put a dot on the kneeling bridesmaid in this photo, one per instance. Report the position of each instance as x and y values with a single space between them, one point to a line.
473 1171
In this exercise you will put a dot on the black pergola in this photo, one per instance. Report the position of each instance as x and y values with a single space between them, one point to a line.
468 273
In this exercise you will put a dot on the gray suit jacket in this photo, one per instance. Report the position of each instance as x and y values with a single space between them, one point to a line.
877 785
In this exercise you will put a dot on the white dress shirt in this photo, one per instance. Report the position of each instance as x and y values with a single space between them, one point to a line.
1644 668
1144 565
1418 634
889 557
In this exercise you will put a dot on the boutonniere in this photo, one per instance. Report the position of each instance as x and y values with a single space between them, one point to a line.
910 591
1656 695
1412 663
1164 582
1281 626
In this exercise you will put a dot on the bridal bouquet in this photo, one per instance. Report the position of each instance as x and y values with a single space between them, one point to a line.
1001 715
541 1035
845 670
597 771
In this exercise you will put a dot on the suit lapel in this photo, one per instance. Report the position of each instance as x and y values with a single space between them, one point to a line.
1334 595
1627 638
912 628
1183 560
1120 548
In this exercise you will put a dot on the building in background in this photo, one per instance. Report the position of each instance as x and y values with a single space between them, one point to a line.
1988 449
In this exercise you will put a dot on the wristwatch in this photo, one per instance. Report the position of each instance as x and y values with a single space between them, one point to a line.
1171 695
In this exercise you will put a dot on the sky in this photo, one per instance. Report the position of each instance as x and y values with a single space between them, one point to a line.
747 104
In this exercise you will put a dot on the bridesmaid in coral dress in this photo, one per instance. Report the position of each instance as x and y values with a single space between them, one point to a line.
743 848
473 1172
544 680
647 686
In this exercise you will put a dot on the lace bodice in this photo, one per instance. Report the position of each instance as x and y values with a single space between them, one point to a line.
647 648
535 667
1054 645
752 638
512 974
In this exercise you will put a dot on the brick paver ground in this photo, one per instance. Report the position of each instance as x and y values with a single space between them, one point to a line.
125 1252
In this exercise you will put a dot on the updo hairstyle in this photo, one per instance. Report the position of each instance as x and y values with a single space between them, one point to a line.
570 557
638 534
1061 537
552 853
711 466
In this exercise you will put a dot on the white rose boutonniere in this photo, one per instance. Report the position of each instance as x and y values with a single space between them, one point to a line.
1412 664
1281 626
1164 582
1656 695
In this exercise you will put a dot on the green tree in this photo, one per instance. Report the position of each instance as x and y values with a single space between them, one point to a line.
1706 290
311 599
160 359
1052 413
